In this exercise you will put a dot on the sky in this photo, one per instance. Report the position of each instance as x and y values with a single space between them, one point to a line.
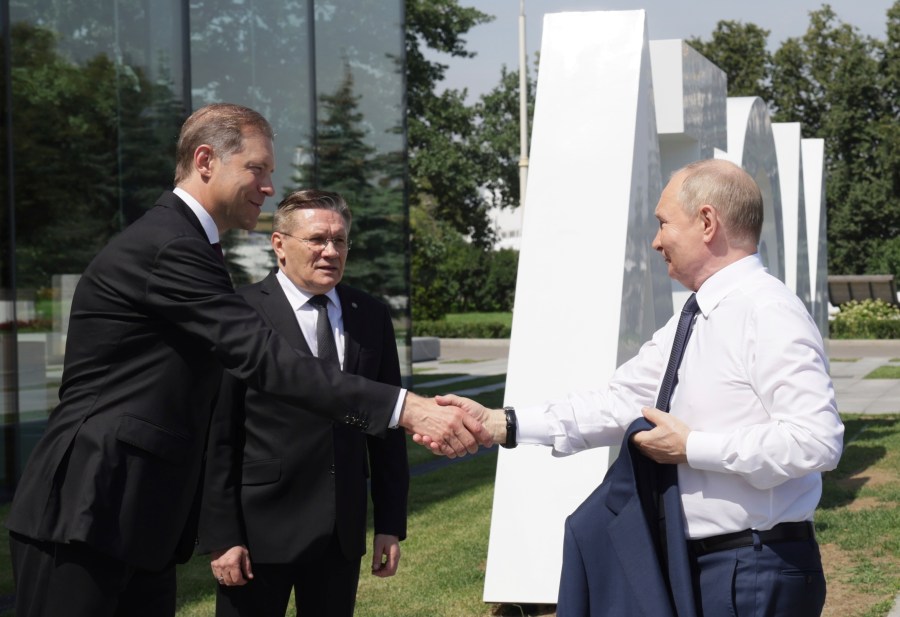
496 43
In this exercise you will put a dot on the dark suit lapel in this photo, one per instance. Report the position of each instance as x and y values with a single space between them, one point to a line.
279 313
353 325
170 199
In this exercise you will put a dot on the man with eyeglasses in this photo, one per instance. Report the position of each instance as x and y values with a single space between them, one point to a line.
285 496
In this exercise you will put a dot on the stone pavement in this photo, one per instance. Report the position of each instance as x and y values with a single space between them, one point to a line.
850 362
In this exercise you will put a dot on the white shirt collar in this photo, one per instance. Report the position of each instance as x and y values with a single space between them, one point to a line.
209 226
720 284
299 297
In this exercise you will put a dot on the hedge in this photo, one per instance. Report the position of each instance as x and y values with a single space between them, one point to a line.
448 329
868 319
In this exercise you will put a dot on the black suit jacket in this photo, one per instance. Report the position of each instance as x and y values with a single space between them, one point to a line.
610 564
154 320
280 480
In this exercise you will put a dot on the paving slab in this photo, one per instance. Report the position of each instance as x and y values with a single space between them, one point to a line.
850 362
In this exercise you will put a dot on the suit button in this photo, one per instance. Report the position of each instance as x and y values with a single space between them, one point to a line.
332 470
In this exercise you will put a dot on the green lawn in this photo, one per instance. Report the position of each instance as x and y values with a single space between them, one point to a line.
442 569
888 371
504 318
858 524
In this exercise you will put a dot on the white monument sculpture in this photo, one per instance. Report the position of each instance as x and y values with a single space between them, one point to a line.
790 176
812 153
614 116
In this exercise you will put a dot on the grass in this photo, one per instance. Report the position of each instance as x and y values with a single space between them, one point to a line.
887 371
504 318
442 569
443 559
858 520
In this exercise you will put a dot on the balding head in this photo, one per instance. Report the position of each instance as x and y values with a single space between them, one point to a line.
730 190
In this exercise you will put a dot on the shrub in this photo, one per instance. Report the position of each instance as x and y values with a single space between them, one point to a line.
450 329
868 319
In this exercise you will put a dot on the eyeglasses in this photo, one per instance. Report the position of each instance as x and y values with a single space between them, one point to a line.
318 243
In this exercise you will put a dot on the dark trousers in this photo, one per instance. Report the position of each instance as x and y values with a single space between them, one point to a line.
324 585
73 580
782 579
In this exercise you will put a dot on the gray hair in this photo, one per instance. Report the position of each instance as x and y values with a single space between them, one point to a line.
730 190
309 199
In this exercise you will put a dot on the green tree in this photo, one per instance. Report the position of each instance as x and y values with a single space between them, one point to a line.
498 132
73 121
740 50
371 185
446 165
434 288
843 87
830 81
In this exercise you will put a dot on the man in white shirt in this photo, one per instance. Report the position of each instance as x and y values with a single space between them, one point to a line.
753 420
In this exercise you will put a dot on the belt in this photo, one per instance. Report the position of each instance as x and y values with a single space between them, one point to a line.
781 532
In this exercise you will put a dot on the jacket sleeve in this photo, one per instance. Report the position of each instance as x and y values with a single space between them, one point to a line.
387 457
188 288
221 522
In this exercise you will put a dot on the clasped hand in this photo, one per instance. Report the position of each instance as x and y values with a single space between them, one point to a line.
444 426
492 423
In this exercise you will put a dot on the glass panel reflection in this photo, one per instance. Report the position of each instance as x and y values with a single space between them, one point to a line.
96 107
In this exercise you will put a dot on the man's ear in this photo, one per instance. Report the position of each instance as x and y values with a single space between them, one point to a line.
709 218
278 245
203 157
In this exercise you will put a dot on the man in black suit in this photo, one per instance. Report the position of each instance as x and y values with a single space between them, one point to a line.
285 495
109 500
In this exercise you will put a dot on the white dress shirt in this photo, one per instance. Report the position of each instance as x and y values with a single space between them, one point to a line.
209 226
307 315
753 388
298 299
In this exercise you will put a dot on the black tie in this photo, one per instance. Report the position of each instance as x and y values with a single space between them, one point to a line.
324 335
218 247
682 334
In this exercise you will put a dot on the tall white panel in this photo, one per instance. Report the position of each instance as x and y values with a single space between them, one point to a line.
752 146
790 176
588 285
812 152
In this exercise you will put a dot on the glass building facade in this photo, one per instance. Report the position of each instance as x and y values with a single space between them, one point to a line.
93 95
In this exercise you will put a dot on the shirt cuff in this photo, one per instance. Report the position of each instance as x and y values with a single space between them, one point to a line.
395 417
704 450
533 427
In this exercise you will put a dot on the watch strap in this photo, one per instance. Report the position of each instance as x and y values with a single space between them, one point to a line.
512 426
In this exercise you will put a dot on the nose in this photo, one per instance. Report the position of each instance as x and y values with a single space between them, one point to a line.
329 249
266 187
656 244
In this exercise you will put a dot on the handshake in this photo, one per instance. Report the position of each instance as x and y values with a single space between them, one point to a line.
452 425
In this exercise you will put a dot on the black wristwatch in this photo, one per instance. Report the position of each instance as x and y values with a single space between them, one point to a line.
511 427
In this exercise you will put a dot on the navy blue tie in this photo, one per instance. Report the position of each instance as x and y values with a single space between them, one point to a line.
666 476
682 334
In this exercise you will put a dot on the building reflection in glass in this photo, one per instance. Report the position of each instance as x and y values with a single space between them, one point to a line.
94 93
